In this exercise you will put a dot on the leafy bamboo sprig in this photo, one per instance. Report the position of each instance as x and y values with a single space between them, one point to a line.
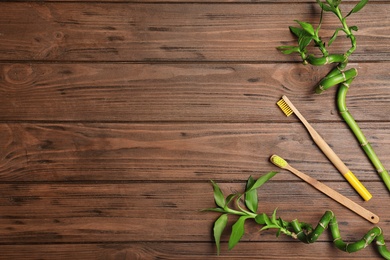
244 206
339 75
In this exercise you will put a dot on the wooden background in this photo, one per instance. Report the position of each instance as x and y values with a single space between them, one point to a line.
115 116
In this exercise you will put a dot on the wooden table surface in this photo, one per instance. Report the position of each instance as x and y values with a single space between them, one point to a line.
115 116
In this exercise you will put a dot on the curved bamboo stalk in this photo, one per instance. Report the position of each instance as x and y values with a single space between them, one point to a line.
329 220
366 146
344 79
295 229
338 76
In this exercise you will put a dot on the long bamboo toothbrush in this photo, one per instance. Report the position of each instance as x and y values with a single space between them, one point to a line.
288 108
368 215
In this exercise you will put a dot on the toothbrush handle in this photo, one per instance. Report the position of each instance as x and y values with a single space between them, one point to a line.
332 156
368 215
343 169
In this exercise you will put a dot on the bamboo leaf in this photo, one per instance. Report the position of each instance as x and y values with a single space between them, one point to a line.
273 218
320 23
214 210
261 180
307 27
288 49
267 220
281 223
354 28
218 195
296 31
238 231
325 7
357 7
251 199
229 199
333 38
336 3
261 218
269 227
303 42
219 226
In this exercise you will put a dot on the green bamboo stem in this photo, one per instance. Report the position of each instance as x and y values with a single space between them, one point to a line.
344 79
295 229
329 220
338 76
366 146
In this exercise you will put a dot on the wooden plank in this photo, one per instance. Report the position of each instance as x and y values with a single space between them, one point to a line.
181 1
172 32
163 212
187 152
150 251
183 92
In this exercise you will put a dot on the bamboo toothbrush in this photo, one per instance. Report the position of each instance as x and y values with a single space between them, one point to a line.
288 108
368 215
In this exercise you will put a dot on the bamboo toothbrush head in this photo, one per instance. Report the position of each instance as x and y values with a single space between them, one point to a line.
279 161
285 107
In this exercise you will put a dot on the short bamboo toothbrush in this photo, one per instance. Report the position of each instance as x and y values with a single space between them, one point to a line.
288 108
368 215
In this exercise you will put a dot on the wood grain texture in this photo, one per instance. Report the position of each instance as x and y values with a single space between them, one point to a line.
116 114
180 1
183 92
174 32
78 152
153 212
166 250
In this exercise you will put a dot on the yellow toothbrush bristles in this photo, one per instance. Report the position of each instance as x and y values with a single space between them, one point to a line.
278 161
285 107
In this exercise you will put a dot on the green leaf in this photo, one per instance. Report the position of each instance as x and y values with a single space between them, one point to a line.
320 23
325 7
307 27
218 195
296 31
261 180
229 199
357 7
273 218
219 226
333 38
251 199
238 231
281 223
214 209
261 218
303 42
269 227
354 28
288 49
336 3
267 220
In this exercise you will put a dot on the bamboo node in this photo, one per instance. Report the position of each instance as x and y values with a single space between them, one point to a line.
364 144
344 77
378 243
322 225
346 248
